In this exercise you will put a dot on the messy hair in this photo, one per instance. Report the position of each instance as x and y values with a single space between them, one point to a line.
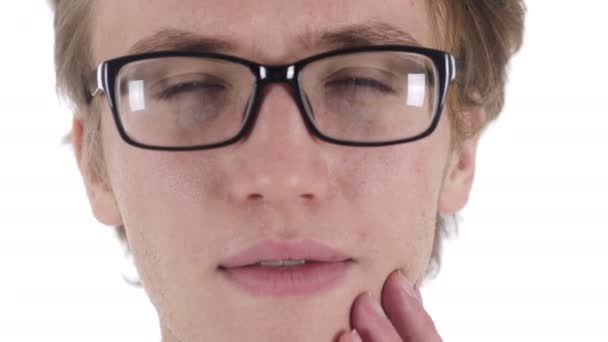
483 35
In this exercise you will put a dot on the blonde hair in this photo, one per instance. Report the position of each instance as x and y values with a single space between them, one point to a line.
483 35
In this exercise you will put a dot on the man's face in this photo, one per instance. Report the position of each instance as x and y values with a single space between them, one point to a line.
186 213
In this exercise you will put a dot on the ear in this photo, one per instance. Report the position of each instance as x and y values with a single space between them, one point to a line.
101 197
460 170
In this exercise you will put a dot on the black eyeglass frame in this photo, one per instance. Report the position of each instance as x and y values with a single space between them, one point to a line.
103 79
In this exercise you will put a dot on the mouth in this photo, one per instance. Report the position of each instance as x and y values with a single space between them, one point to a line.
282 268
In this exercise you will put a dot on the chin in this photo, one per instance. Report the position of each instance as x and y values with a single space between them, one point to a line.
299 321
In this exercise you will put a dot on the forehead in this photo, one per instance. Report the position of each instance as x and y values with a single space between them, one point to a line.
269 31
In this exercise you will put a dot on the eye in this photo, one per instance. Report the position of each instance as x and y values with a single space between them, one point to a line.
361 82
185 88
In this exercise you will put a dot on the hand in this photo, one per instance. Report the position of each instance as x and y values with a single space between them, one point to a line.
403 318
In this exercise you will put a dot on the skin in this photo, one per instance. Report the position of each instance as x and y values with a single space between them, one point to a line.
186 212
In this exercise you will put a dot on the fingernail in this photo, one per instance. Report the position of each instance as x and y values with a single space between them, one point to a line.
406 286
355 335
376 305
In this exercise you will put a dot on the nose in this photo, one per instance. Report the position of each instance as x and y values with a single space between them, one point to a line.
279 161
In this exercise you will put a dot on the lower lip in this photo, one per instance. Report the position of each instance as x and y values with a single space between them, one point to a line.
288 281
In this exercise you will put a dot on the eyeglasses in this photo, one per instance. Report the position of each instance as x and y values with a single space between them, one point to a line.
366 96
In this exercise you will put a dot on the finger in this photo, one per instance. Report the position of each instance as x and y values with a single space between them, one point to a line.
351 336
371 322
406 312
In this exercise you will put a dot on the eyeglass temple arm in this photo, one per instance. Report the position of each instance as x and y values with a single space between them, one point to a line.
94 84
452 68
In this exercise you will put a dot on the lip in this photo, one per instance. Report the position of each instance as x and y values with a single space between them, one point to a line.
327 269
285 250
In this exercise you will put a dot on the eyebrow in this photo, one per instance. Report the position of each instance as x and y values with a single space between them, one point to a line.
180 40
373 33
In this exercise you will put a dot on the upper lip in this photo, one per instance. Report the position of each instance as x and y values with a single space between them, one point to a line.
268 250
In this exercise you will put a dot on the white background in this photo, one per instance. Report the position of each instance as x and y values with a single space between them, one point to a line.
529 263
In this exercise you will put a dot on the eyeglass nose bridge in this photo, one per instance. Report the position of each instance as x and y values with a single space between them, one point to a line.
285 74
277 74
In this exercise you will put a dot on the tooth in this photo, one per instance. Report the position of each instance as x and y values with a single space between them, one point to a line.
272 263
283 263
293 262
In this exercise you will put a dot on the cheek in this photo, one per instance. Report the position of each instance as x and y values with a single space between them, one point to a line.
405 178
392 194
161 198
164 202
